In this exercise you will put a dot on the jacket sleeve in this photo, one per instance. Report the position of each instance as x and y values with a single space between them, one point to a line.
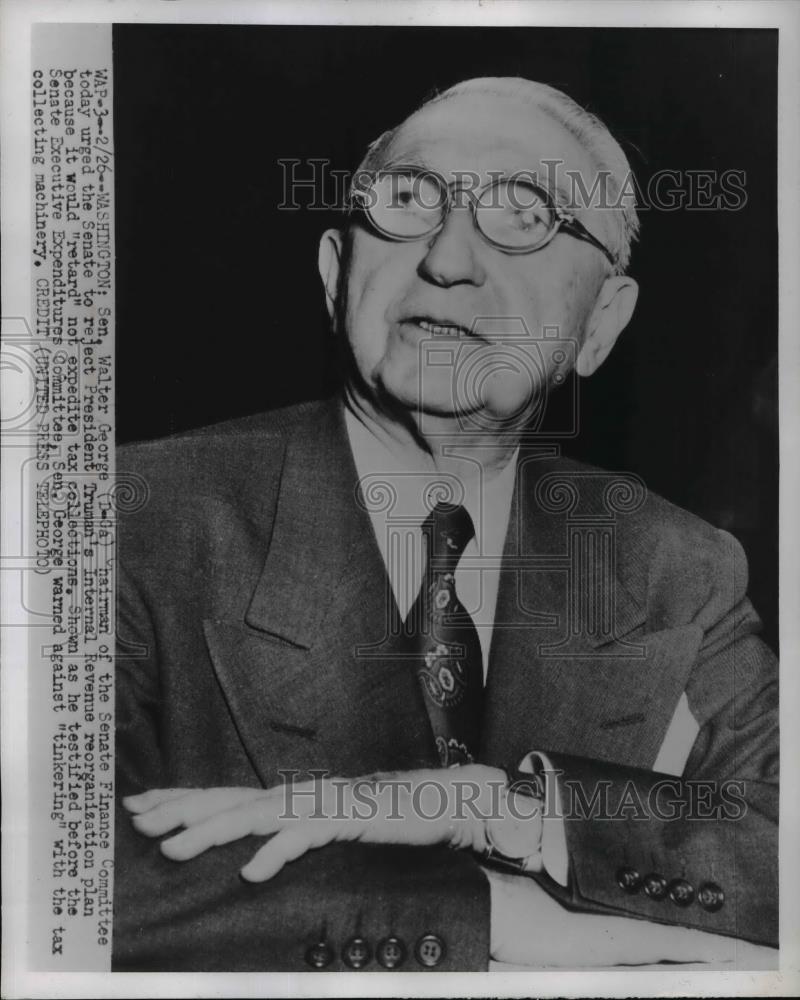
701 849
200 916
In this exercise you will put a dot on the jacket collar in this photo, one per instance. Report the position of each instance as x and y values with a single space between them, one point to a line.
556 502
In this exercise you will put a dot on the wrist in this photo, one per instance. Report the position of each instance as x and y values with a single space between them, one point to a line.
513 833
474 792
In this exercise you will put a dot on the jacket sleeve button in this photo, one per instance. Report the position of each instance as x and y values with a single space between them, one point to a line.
710 896
356 953
430 950
655 886
391 952
319 955
680 892
628 879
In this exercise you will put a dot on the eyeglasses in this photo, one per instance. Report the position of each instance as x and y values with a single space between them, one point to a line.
513 214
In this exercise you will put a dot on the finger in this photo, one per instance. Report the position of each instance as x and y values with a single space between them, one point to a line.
287 845
155 796
301 798
192 808
259 817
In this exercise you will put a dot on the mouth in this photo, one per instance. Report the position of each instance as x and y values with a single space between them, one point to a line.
439 328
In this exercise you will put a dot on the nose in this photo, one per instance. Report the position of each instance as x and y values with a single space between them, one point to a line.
452 258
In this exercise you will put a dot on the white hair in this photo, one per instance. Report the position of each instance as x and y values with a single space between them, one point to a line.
592 134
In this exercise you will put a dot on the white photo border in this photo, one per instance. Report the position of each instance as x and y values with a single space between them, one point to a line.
15 60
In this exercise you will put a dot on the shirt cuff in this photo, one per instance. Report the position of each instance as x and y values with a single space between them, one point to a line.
555 857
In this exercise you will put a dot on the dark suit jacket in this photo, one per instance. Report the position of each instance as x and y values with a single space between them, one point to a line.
248 579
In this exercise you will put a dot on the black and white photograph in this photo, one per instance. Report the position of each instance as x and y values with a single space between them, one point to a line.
403 500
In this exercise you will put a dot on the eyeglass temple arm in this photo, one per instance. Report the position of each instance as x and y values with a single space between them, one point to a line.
576 228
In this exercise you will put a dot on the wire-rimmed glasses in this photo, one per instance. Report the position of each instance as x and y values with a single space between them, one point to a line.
512 213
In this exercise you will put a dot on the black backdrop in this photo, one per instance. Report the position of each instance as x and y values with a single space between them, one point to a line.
220 311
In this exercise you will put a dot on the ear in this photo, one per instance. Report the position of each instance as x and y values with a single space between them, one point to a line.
329 262
609 317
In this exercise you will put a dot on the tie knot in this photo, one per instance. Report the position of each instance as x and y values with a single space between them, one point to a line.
449 529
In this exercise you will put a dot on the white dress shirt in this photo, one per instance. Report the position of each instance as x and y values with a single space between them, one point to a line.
398 529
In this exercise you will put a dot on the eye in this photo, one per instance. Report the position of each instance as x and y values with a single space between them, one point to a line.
401 191
406 204
516 214
409 192
528 219
525 205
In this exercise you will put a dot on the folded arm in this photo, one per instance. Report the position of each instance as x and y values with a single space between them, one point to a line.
699 849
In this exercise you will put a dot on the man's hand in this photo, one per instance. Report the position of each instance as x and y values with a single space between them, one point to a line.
422 807
528 927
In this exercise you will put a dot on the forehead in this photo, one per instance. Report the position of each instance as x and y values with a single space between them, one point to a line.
484 132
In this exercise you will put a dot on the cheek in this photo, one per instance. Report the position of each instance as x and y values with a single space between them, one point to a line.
363 314
559 301
377 277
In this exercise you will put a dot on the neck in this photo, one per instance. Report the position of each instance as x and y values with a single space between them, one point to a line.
442 445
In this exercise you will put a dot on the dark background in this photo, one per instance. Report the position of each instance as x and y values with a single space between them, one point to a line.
220 310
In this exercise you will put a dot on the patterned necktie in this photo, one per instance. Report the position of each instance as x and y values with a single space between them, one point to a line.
445 637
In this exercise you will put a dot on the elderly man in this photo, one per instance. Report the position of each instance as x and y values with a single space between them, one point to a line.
437 694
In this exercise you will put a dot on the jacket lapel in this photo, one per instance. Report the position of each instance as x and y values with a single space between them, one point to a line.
309 677
557 681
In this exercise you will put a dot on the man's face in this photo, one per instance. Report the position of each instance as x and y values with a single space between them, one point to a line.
409 307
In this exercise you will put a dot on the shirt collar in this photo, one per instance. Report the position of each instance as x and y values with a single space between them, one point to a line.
406 473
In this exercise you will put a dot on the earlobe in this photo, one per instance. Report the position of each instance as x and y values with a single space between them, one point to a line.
329 262
611 314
